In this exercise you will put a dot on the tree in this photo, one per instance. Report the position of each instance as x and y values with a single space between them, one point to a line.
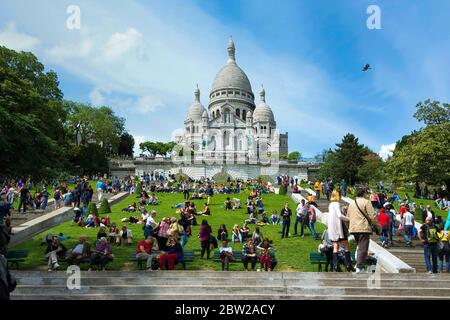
372 169
126 145
349 158
92 209
422 156
432 113
32 135
88 159
295 155
157 148
104 207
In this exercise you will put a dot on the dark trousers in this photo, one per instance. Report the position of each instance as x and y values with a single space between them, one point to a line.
226 261
305 223
206 247
252 260
286 226
101 259
362 239
186 195
22 202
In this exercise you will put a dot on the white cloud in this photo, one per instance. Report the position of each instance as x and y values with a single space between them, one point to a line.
97 97
386 150
12 39
138 140
121 43
148 104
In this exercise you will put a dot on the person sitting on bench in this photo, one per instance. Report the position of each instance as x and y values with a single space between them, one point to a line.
249 254
144 251
54 251
81 251
264 257
102 254
173 253
125 236
226 255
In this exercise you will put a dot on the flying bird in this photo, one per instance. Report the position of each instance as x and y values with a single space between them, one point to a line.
366 67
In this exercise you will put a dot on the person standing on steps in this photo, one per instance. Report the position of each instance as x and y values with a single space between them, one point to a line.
338 232
286 213
428 235
408 223
362 217
312 217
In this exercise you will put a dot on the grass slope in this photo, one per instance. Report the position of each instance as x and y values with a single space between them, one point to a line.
292 253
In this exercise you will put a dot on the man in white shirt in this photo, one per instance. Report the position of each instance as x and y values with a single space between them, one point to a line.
300 215
150 225
408 222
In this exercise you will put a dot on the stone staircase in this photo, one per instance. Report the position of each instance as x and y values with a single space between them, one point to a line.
199 285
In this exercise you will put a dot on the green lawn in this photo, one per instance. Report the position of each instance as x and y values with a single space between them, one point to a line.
292 253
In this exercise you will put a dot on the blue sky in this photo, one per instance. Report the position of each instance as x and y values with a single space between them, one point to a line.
144 58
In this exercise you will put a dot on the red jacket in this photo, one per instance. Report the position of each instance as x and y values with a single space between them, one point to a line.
383 219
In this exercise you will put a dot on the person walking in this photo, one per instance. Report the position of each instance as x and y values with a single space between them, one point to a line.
312 217
361 218
408 223
286 213
428 235
338 232
24 195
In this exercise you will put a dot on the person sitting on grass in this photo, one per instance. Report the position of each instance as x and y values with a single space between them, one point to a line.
102 254
90 221
236 235
131 208
77 216
244 230
257 236
55 250
125 236
264 257
173 254
101 233
250 205
81 251
236 203
206 211
228 204
226 255
253 217
114 234
144 251
153 200
274 218
249 254
222 233
264 219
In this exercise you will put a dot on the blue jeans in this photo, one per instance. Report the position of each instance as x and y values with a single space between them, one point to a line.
431 251
44 203
313 231
297 220
184 239
285 229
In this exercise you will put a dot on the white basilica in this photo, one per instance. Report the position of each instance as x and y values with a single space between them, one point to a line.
233 128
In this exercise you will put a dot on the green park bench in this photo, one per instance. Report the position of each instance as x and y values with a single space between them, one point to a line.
15 257
142 264
63 259
319 259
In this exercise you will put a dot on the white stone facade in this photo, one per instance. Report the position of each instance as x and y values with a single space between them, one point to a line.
233 129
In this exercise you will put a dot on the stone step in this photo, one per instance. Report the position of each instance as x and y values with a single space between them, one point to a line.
236 290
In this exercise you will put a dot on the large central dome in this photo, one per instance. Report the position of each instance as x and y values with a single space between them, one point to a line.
231 76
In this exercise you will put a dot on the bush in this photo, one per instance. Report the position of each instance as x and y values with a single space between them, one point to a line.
104 207
138 187
283 189
92 209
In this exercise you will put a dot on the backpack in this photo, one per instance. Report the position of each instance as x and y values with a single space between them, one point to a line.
433 236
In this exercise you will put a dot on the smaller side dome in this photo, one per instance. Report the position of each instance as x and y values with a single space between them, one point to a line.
196 110
205 114
263 113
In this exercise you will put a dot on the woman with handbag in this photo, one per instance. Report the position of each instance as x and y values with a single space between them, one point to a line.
362 223
338 232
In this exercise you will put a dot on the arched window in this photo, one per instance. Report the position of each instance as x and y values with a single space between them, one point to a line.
226 116
226 139
213 114
244 115
238 113
218 113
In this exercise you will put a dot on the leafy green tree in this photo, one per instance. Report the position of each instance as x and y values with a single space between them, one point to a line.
372 170
126 145
422 156
88 159
92 209
349 158
432 112
32 135
295 155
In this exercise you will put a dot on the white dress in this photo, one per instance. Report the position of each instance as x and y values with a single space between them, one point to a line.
335 218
